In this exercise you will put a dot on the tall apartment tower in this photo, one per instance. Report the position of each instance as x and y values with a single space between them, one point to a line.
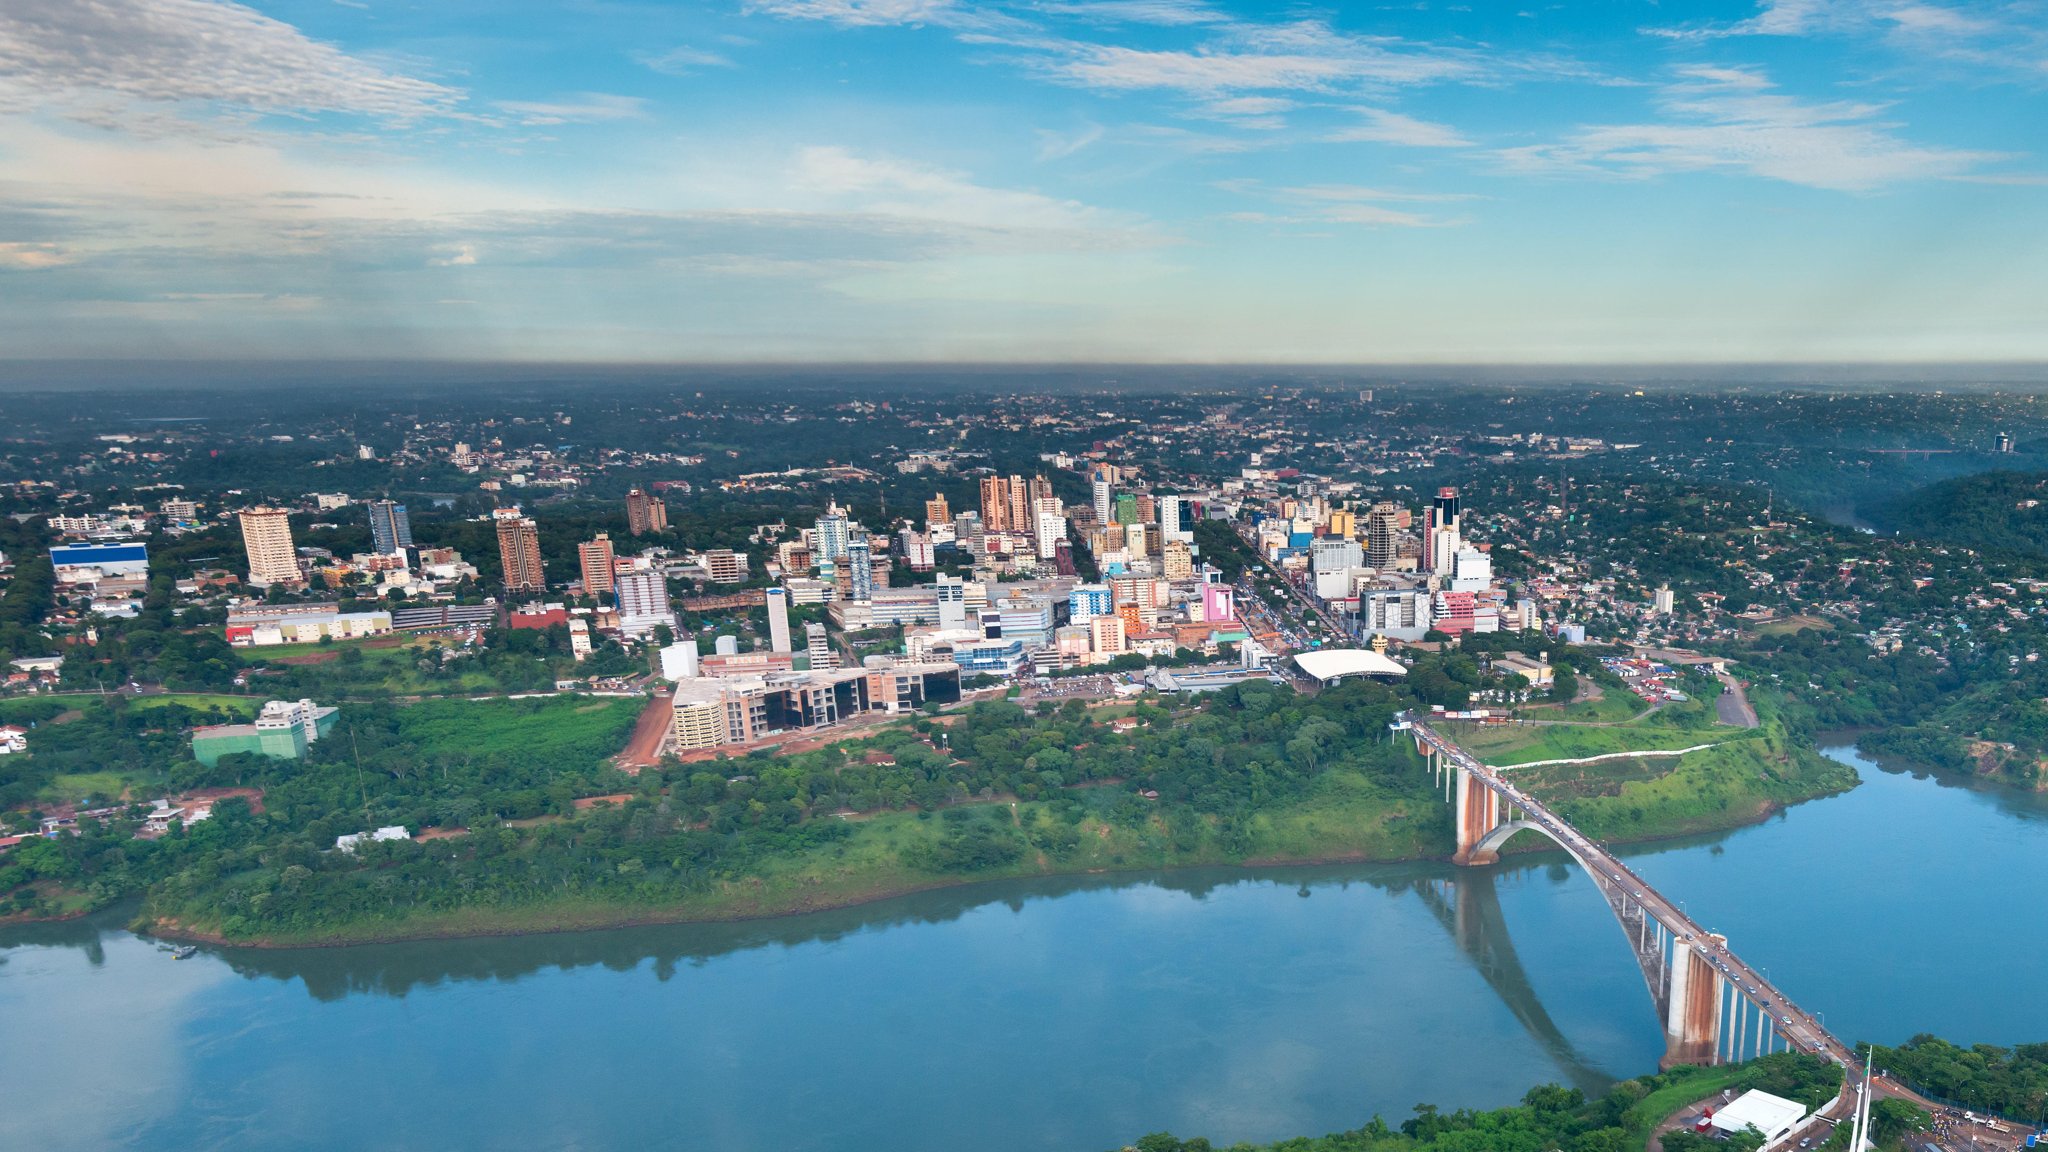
1169 516
1049 525
995 504
390 528
1020 505
519 551
1099 489
936 512
778 619
1381 524
860 570
267 534
645 512
597 557
819 645
828 540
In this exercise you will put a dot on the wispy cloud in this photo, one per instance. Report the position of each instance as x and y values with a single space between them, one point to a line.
2009 36
1354 204
194 51
1165 13
865 13
1730 120
683 60
1303 56
586 108
1380 126
31 257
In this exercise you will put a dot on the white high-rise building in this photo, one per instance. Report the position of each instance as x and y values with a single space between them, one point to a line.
1169 517
1102 499
1474 571
778 619
679 661
643 602
829 537
1051 526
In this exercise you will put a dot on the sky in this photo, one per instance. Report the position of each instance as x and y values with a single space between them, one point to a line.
1040 180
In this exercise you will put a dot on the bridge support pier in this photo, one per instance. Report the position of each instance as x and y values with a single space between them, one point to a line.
1478 813
1692 1025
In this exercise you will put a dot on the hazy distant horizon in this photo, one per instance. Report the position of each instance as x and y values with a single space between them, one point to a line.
200 374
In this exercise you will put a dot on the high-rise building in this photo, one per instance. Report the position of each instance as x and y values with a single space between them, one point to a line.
1381 525
1106 635
596 558
829 535
267 535
1099 489
1125 510
679 661
1176 562
725 566
819 645
1219 603
519 551
1446 507
643 602
1665 600
778 619
1169 516
390 527
1050 524
860 570
1343 524
1088 601
645 512
1020 505
936 512
995 504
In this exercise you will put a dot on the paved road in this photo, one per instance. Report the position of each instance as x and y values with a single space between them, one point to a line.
1732 705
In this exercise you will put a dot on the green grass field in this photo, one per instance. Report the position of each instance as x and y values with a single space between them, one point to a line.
1510 744
243 707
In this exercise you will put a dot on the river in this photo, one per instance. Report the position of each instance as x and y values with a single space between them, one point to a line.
1066 1015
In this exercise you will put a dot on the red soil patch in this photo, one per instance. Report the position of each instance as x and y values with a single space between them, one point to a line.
616 800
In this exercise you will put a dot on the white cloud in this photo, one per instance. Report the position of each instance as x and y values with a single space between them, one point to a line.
683 60
858 13
1318 204
1060 145
2009 36
586 108
20 257
202 51
1728 120
1383 127
841 179
1165 13
459 256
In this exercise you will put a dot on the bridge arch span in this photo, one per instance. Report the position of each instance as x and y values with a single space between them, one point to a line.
1488 849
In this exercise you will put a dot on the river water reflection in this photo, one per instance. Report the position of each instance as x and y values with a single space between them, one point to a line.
1068 1014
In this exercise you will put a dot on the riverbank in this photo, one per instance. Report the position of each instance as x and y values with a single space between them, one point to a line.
1345 822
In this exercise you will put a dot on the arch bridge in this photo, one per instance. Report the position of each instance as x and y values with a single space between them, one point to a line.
1714 1007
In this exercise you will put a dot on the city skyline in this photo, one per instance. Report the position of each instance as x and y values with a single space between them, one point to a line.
1128 180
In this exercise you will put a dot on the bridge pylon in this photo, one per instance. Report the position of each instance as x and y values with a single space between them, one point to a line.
1478 814
1692 1020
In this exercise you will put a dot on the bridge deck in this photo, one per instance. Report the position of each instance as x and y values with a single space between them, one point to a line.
1623 889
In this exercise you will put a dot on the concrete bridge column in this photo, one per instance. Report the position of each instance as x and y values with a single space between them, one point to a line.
1478 812
1692 1026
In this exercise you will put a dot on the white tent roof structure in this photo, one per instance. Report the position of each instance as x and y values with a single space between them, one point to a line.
1771 1115
1329 664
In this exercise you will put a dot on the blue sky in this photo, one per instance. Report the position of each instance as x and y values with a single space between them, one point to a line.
1158 180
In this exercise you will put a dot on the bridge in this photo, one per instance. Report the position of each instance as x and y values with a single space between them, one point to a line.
1714 1008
